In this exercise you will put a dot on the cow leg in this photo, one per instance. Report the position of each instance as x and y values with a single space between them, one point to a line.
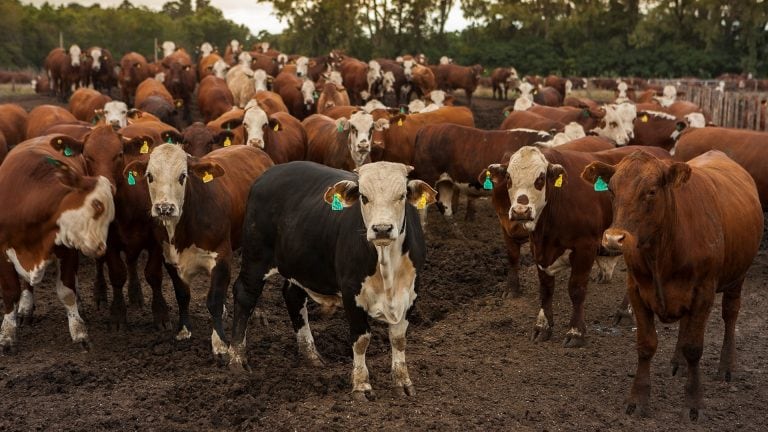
135 296
678 359
117 277
181 290
605 268
470 215
581 264
513 275
246 292
66 290
153 273
624 311
360 336
9 280
730 312
296 301
217 296
26 309
542 330
469 97
399 368
647 342
100 285
692 345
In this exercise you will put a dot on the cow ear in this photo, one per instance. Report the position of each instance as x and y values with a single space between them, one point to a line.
206 171
66 145
596 170
342 124
97 114
496 173
134 113
556 175
275 124
224 138
138 145
344 192
382 124
421 194
171 137
66 175
135 170
677 174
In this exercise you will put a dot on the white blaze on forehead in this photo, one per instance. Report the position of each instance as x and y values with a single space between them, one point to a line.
245 59
168 48
336 78
572 131
220 69
669 96
525 89
696 120
117 112
166 164
308 91
383 184
445 60
302 66
260 80
360 137
416 106
254 120
264 46
618 123
96 56
74 55
388 81
77 227
524 168
206 49
437 96
522 103
235 45
568 87
408 68
513 73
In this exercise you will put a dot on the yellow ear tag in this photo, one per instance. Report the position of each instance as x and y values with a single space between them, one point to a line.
400 121
207 177
559 181
144 148
644 119
277 127
422 204
227 142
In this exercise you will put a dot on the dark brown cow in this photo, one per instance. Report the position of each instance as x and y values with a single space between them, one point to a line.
748 148
297 94
199 204
102 69
180 79
343 143
84 103
674 269
556 82
543 188
214 97
548 96
13 124
64 70
44 116
450 77
530 120
153 97
50 211
133 70
355 77
502 80
332 96
198 140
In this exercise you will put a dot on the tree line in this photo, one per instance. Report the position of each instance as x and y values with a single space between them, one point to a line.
651 38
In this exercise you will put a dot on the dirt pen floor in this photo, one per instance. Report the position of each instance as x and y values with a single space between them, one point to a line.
468 353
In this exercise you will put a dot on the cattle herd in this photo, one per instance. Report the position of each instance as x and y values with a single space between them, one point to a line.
321 170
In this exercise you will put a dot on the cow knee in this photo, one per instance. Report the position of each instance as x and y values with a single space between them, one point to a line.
692 353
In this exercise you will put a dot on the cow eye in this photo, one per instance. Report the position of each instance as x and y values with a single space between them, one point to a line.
402 197
182 177
364 199
150 178
651 193
614 125
539 183
98 208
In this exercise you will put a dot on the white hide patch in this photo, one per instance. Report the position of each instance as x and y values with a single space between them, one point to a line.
618 121
190 261
260 80
96 56
183 334
372 105
26 303
67 296
116 114
79 230
360 137
218 346
34 275
168 48
74 55
522 104
695 120
8 329
525 167
561 263
389 293
308 92
416 106
541 319
437 97
254 120
205 49
167 163
220 69
572 131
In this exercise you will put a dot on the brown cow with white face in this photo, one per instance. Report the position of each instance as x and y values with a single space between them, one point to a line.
674 269
343 143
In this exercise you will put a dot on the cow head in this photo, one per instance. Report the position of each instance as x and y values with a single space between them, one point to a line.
572 131
256 124
220 69
408 68
617 124
115 114
416 106
444 60
641 186
234 45
528 176
95 54
302 67
168 48
695 120
308 94
388 82
74 55
437 97
167 173
245 59
261 81
198 140
205 49
360 128
383 189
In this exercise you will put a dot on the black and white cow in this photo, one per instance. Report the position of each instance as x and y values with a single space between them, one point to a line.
343 239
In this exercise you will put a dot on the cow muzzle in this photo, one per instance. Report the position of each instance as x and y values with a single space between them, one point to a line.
521 213
115 124
363 147
165 209
96 252
613 239
256 142
382 234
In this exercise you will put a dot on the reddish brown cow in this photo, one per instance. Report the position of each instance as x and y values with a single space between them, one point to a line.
267 63
214 97
154 98
548 96
450 77
503 79
50 211
64 70
354 73
133 71
331 96
543 188
180 79
674 269
657 129
556 82
198 140
208 66
84 103
587 118
13 124
77 130
748 148
343 143
280 134
44 116
297 94
530 120
270 102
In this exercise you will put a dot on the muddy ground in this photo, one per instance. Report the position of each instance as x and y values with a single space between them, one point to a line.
468 353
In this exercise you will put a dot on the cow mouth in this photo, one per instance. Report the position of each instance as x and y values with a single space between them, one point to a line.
520 218
382 241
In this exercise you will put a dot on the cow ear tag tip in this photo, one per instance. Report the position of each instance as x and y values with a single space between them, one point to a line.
422 202
487 184
227 142
131 179
400 122
559 181
601 185
336 204
144 148
207 177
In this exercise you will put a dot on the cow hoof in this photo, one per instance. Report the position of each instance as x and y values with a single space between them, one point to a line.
363 395
541 334
619 316
409 390
135 298
8 349
724 375
160 315
574 341
239 368
26 319
693 414
315 360
511 292
85 345
261 316
639 410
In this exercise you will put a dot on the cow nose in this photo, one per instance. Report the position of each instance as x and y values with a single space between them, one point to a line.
165 209
115 124
383 230
613 240
520 212
363 146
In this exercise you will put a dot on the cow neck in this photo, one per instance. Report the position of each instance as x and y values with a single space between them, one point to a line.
389 259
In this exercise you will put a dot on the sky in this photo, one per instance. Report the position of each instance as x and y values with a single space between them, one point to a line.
256 16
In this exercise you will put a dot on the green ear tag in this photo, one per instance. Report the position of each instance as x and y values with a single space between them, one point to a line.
68 151
340 128
131 179
336 204
488 184
506 113
601 185
169 140
402 110
315 95
584 113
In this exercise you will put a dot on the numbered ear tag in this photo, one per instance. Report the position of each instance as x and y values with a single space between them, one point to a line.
488 184
207 177
68 151
644 119
336 204
601 185
559 181
144 148
422 204
131 178
227 142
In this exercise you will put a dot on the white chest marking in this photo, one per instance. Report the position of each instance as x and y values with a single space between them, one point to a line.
560 264
389 293
34 275
190 261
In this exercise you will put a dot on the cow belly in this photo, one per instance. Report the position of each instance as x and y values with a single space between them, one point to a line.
190 261
388 294
31 272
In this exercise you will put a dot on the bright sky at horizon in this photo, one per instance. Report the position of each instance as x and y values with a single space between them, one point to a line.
256 16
